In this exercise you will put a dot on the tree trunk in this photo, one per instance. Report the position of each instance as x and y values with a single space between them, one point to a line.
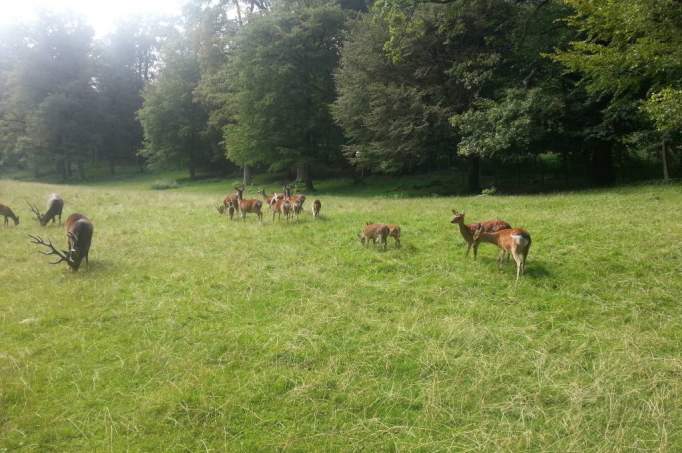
247 175
112 167
664 159
81 170
69 169
192 169
474 180
61 168
303 175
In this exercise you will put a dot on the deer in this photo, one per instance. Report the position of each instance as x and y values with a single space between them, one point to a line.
251 205
79 230
55 205
270 200
231 198
515 241
226 208
372 232
317 206
8 214
394 232
467 231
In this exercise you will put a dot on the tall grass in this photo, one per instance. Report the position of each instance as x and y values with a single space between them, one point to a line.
192 333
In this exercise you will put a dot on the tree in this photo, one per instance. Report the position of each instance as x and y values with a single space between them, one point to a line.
51 100
173 121
629 52
281 77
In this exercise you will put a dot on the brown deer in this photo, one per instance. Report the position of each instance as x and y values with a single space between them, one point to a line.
317 206
372 232
246 206
394 232
231 198
79 232
270 200
515 241
227 208
467 231
55 205
8 214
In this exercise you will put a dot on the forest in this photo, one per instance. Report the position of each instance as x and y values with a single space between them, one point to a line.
573 92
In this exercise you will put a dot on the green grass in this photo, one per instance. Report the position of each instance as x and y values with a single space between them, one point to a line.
191 333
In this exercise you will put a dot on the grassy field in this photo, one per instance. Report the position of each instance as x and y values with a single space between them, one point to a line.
191 333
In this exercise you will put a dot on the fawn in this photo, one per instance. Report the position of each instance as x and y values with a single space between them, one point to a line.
372 232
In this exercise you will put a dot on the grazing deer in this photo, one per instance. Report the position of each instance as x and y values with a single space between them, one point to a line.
55 205
394 232
79 231
372 232
246 206
515 241
467 231
8 214
317 206
226 208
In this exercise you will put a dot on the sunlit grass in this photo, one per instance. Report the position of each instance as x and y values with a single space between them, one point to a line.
190 332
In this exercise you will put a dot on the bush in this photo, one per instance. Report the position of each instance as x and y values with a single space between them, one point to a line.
164 185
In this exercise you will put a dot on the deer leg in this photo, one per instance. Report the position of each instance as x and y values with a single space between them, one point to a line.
397 243
519 264
468 248
476 244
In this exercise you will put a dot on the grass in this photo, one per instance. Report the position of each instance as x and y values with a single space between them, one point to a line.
191 333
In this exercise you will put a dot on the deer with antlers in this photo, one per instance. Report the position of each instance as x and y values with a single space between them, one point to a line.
55 205
467 231
8 214
79 230
250 205
514 241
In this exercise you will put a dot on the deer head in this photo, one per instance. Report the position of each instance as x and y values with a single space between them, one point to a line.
72 257
458 217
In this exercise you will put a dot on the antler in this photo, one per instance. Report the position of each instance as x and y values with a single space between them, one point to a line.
53 251
35 210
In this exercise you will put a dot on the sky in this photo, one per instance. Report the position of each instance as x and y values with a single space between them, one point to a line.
101 14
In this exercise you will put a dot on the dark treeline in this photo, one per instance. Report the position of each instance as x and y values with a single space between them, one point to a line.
354 86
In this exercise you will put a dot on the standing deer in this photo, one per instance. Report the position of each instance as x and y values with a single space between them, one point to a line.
372 232
55 205
8 214
317 206
79 232
394 232
467 231
270 200
512 240
251 205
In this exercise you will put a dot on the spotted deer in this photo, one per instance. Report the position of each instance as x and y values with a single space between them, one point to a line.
515 241
372 232
467 231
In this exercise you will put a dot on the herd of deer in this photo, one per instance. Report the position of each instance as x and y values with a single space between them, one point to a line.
79 231
514 242
279 203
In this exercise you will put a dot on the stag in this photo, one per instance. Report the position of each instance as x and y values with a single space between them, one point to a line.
55 205
79 232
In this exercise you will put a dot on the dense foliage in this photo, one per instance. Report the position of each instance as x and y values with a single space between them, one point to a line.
391 86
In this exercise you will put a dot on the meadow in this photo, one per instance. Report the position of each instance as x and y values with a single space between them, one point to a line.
192 333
